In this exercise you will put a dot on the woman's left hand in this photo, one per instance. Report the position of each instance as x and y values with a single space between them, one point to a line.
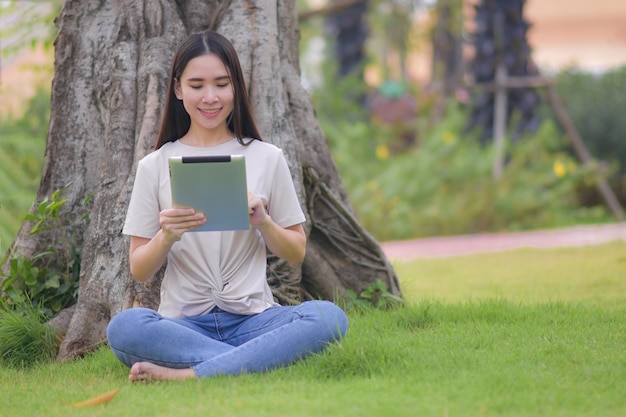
288 243
257 208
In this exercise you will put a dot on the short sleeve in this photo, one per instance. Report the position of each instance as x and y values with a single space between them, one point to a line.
283 206
142 217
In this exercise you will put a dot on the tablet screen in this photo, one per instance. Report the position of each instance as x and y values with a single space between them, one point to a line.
214 185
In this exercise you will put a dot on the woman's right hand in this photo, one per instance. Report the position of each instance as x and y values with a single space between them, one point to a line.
147 255
176 221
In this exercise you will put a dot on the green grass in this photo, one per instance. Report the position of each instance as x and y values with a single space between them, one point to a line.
521 333
594 275
24 339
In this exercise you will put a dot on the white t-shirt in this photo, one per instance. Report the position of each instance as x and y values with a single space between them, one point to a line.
205 269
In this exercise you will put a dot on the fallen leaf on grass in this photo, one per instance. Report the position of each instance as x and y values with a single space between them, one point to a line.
97 400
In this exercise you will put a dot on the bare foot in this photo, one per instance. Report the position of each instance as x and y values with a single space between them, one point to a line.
146 371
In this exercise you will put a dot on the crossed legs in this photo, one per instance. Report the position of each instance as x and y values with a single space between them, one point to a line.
221 343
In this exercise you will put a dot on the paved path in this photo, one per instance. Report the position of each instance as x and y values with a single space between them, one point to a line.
492 242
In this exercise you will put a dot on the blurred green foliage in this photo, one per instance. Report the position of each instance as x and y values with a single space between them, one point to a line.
596 104
26 24
39 280
22 145
444 184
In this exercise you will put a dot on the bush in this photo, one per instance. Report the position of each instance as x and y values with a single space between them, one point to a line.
50 278
444 184
596 106
596 103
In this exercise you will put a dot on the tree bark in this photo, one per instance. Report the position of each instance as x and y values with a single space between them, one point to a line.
111 66
447 42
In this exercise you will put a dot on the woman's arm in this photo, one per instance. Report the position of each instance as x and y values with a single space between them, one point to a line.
287 243
148 255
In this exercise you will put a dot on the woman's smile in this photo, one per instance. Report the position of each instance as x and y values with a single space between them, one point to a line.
210 112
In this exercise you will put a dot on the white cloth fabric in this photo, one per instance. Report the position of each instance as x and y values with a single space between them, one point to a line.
205 269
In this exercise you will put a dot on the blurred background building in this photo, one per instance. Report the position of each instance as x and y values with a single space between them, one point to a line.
588 34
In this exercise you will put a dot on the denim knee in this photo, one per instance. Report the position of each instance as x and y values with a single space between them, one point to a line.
330 316
126 322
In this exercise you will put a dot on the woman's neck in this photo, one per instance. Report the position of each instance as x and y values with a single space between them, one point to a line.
206 138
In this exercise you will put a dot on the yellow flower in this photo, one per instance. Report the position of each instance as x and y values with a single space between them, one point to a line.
382 152
448 137
559 169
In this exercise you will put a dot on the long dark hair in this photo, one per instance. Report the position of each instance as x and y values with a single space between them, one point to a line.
176 121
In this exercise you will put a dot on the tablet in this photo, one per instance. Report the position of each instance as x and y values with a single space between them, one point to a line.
214 185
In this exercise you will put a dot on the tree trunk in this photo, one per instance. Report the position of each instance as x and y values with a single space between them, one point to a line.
348 29
500 40
447 41
111 65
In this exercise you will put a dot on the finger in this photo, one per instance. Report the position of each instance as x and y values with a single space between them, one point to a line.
179 211
181 224
182 218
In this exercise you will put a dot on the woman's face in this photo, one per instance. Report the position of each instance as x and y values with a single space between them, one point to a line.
206 92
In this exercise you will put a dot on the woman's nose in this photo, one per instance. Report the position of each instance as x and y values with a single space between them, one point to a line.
209 95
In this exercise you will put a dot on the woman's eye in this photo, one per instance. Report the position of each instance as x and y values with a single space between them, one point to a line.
195 87
222 85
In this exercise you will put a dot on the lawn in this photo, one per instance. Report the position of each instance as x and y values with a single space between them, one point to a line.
520 333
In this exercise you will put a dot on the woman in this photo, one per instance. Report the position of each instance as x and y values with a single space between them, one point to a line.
217 314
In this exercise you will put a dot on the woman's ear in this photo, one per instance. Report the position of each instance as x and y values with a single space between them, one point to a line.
177 89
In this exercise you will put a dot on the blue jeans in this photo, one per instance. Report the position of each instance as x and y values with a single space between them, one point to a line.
222 343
